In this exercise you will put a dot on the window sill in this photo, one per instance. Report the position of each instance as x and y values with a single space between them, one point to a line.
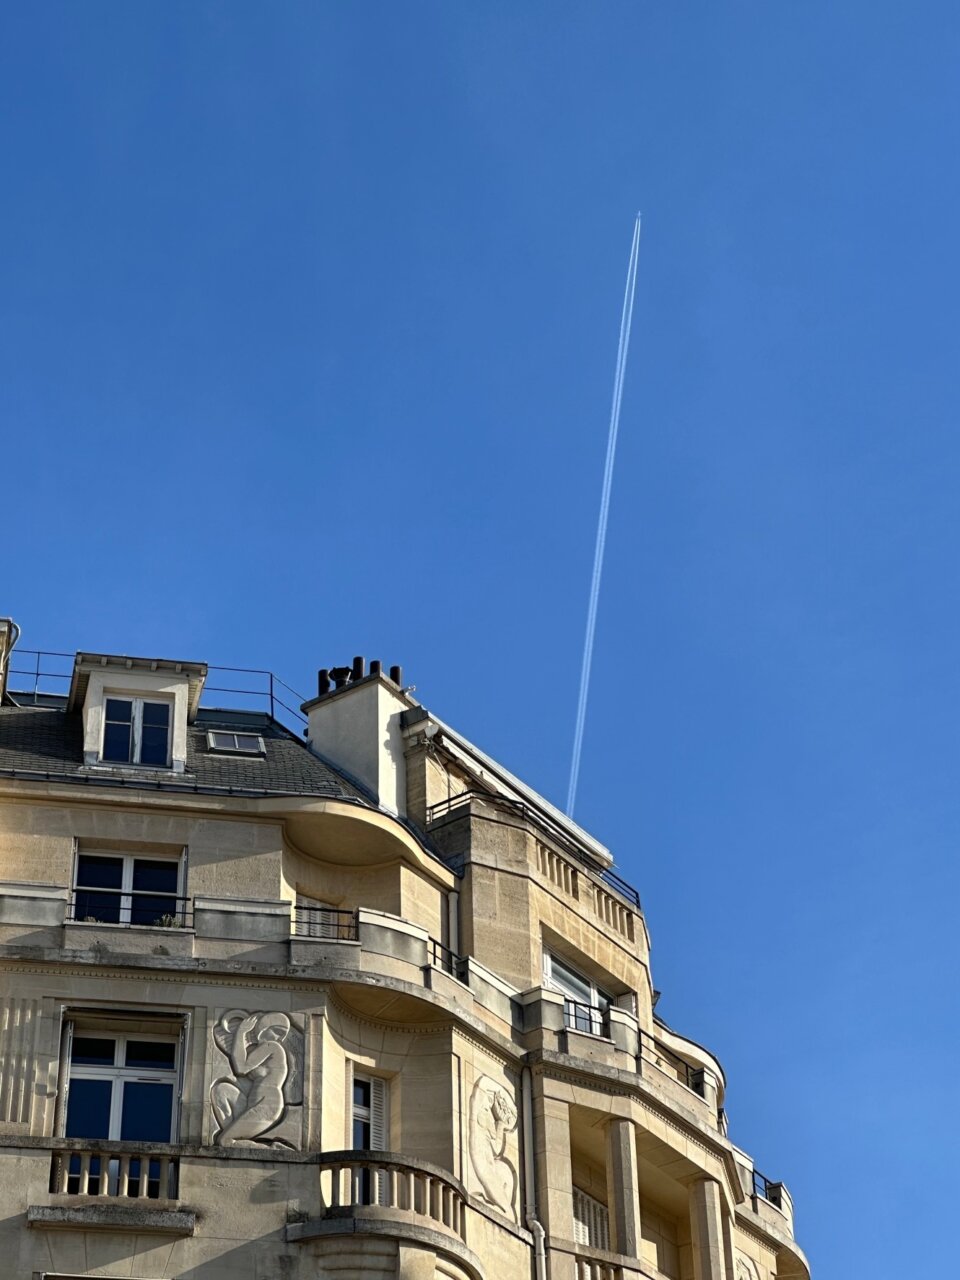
89 1212
102 768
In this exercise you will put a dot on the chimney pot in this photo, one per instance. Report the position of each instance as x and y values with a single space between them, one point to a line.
359 664
323 682
396 675
376 666
340 676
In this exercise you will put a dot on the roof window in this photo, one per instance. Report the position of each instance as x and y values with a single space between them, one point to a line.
237 744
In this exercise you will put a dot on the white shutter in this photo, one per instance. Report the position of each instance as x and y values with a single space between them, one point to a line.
315 922
378 1115
591 1226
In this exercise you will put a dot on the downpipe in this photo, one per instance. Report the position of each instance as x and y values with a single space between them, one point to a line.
530 1208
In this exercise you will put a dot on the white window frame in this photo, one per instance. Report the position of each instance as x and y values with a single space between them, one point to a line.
139 700
599 1001
126 893
120 1075
253 752
591 1221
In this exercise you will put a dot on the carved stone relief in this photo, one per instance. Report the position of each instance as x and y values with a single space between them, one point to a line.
259 1100
746 1268
493 1117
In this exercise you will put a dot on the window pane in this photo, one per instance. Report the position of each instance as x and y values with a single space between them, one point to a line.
361 1093
149 908
88 1111
147 1111
223 741
150 874
153 745
102 908
150 1054
157 714
570 983
119 709
116 743
361 1135
95 1051
248 742
94 872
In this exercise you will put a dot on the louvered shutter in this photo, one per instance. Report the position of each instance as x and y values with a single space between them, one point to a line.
317 920
378 1115
591 1225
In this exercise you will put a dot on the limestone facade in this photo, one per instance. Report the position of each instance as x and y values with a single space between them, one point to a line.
356 1003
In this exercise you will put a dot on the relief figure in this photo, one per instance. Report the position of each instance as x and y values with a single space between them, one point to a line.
264 1052
493 1117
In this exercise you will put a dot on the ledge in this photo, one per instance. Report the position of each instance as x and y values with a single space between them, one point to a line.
113 1217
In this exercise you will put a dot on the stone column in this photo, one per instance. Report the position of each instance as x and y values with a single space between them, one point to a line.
706 1231
623 1188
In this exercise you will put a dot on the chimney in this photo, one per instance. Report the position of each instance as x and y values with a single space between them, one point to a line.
356 726
9 635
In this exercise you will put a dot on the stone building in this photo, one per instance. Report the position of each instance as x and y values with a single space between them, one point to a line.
341 1001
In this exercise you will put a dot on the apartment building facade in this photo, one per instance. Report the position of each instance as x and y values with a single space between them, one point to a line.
341 1001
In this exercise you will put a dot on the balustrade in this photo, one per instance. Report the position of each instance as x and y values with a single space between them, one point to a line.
350 1180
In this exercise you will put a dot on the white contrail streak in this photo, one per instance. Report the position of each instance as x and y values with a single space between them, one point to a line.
626 321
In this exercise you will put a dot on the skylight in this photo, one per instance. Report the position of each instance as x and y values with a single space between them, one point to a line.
242 744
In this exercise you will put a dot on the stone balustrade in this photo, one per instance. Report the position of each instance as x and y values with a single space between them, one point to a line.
380 1180
92 1171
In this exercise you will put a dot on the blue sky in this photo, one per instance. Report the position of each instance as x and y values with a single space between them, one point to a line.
308 317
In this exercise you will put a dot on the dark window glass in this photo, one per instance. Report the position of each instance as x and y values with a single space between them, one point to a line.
248 742
361 1135
119 710
361 1093
153 745
104 908
147 1109
154 876
93 1051
223 741
150 1054
150 909
156 714
99 873
116 743
88 1110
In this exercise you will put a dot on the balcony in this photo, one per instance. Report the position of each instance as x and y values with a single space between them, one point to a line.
328 924
89 1170
385 1194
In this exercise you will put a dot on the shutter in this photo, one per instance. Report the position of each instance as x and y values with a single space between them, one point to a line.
315 922
378 1115
181 1068
591 1223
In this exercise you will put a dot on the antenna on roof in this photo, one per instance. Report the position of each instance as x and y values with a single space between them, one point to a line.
626 319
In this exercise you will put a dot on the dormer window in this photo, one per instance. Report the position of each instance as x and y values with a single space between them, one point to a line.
136 731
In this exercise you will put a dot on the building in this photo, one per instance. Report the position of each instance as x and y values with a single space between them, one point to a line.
342 1001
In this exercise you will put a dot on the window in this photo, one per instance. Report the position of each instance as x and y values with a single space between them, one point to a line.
125 888
242 744
120 1086
368 1113
318 919
136 731
585 1006
591 1222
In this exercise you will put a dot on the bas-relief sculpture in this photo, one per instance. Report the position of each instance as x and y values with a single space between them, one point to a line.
746 1268
260 1103
493 1117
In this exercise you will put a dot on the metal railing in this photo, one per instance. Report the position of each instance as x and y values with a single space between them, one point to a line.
442 957
610 878
580 1016
135 908
88 1171
671 1064
353 1179
51 672
328 924
767 1190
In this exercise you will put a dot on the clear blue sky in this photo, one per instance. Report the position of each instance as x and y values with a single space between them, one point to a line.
308 316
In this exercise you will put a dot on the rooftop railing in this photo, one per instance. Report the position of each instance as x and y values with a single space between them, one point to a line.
610 878
767 1190
49 672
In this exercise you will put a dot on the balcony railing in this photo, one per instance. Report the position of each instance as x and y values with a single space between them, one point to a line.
597 1269
442 957
326 923
129 907
767 1190
579 1016
656 1053
350 1180
555 833
88 1171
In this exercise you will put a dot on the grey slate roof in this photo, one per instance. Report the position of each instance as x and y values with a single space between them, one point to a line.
47 741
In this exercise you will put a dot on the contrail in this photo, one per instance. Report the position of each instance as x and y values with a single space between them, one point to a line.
626 320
